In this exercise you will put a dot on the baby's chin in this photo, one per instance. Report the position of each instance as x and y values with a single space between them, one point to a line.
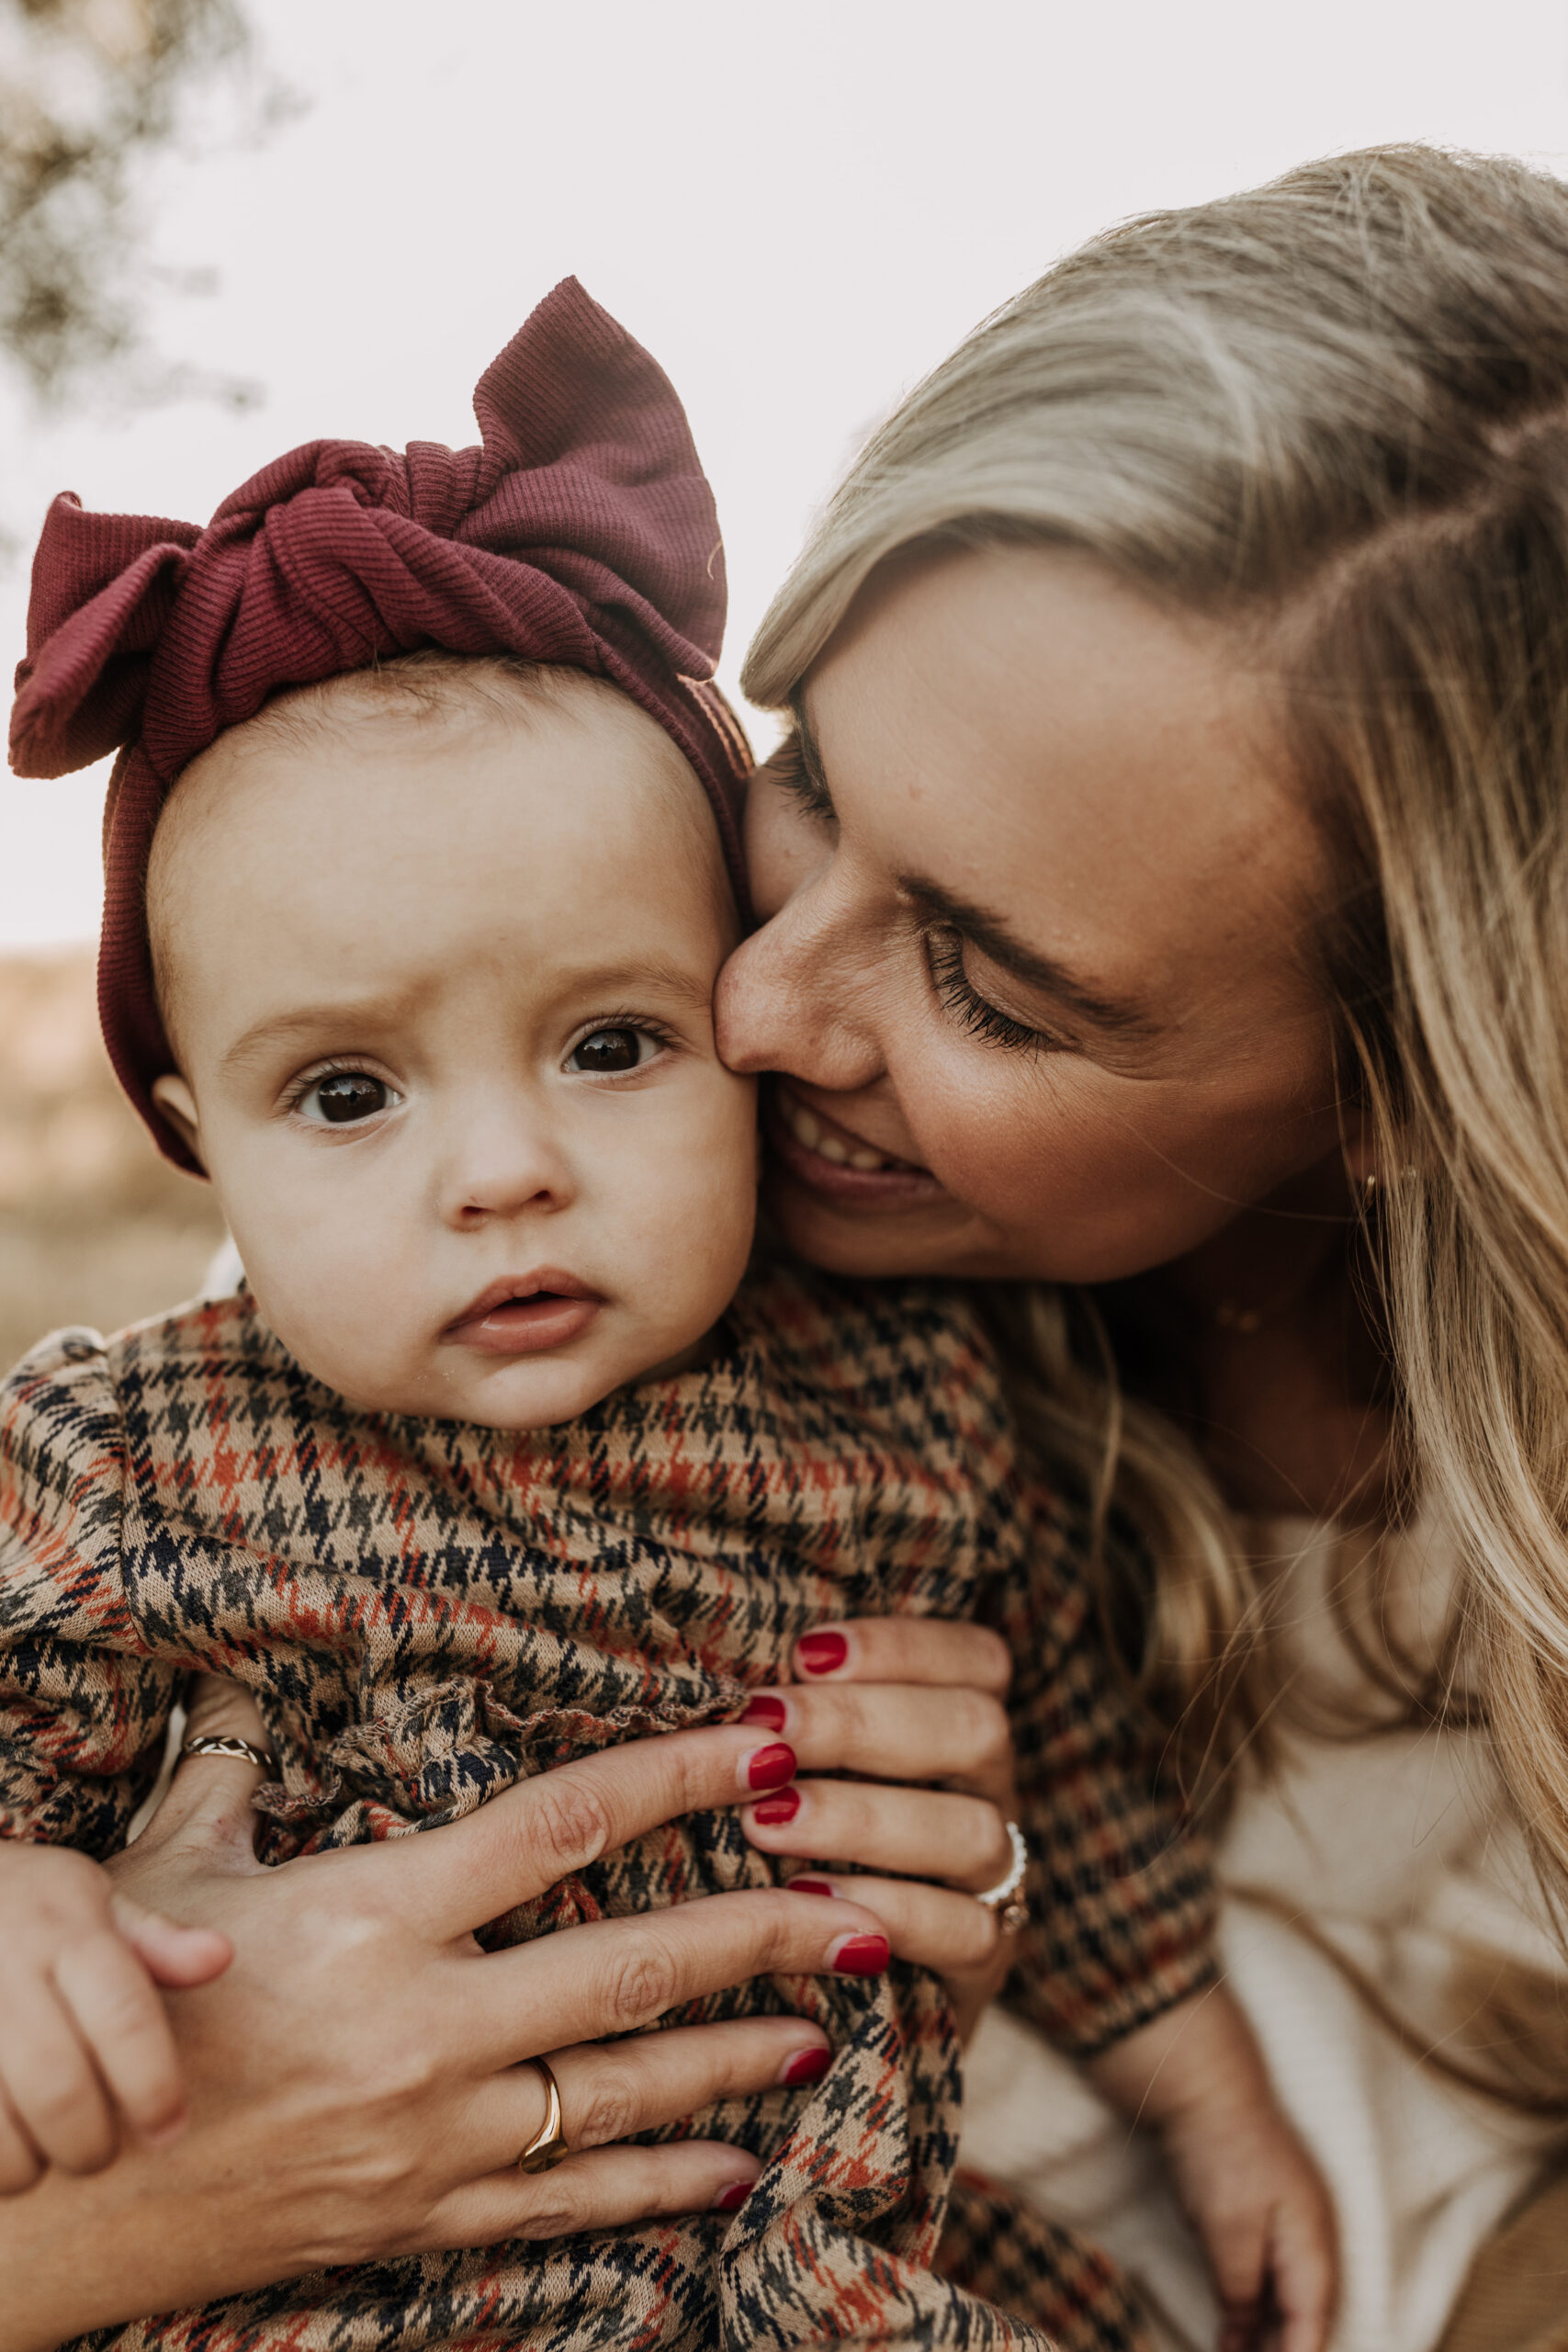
456 1384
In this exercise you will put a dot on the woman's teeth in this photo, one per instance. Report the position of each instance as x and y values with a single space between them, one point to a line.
810 1132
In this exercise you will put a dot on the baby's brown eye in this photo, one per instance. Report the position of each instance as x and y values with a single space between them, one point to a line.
608 1049
347 1096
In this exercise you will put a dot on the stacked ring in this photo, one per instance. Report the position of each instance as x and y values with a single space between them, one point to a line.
1005 1898
262 1758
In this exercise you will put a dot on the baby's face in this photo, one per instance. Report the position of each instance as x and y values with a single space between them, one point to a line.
440 989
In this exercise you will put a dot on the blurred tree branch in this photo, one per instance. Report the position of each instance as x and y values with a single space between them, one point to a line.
88 89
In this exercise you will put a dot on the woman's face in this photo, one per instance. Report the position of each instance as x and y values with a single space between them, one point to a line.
1037 972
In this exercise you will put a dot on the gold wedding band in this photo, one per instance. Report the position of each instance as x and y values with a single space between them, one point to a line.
1006 1898
262 1758
548 2145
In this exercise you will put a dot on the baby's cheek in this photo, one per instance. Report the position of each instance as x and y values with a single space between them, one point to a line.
331 1277
698 1216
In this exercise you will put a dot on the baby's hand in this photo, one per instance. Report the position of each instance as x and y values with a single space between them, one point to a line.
1252 2191
1257 2202
85 2048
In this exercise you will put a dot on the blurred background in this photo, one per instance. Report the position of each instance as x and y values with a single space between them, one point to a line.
227 226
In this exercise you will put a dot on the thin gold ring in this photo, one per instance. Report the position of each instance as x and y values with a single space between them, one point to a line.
548 2145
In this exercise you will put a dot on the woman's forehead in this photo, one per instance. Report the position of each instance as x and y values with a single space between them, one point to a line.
1017 730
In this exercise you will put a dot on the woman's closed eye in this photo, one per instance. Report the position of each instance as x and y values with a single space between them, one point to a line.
344 1097
944 960
787 768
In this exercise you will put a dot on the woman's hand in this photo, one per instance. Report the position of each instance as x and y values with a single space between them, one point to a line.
358 2078
895 1702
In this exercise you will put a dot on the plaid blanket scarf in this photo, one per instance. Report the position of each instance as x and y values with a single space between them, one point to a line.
426 1611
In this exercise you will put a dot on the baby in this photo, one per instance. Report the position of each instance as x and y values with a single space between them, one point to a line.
510 1447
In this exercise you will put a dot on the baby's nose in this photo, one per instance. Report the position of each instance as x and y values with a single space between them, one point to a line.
502 1165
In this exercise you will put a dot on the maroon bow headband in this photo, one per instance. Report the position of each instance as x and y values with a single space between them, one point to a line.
580 531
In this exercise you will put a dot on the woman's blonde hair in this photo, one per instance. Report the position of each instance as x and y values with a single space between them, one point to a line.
1335 412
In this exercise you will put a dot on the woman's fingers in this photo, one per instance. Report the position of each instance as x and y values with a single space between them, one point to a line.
616 1975
933 1926
556 1823
218 1709
956 1937
206 1809
959 1735
598 2192
930 1650
615 2090
914 1833
609 2091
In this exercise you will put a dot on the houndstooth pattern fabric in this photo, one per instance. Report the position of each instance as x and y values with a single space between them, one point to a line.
426 1611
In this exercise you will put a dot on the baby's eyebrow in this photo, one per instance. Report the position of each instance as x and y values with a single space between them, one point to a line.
663 974
308 1022
608 989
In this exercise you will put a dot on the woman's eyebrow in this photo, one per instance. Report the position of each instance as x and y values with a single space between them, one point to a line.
1121 1016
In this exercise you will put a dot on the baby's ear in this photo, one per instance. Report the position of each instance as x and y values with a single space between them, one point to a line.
178 1103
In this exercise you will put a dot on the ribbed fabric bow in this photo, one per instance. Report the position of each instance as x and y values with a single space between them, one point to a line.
581 530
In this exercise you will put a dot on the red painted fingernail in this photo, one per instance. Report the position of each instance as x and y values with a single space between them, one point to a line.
811 1887
729 2199
808 2067
821 1653
860 1956
774 1811
772 1712
770 1768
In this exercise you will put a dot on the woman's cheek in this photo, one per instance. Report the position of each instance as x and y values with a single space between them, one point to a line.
992 1129
1073 1184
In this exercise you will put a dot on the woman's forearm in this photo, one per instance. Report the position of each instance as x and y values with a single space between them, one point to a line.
146 2235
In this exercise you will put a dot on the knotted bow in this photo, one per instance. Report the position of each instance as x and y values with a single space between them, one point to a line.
581 530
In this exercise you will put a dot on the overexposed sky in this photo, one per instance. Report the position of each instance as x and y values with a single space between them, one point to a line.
796 205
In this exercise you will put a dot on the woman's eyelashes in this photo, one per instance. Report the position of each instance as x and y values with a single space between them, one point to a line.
343 1097
944 960
788 770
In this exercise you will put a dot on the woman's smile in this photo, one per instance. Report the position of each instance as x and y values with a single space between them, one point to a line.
832 1159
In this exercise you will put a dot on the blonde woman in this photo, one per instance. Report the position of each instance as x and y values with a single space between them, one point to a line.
1165 870
1165 888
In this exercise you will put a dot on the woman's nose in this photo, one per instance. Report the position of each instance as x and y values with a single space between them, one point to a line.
796 996
503 1162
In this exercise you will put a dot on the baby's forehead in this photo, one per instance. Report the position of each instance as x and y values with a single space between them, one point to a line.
427 782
